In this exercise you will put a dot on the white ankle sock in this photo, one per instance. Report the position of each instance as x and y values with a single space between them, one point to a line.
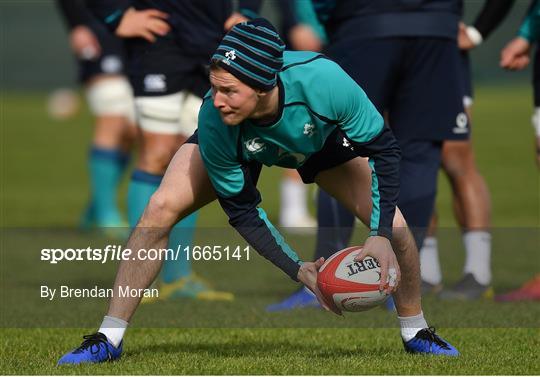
411 325
430 267
293 200
478 255
113 328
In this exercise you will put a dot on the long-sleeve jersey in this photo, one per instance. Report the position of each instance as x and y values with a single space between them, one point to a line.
316 13
530 28
83 12
389 18
197 25
316 97
491 15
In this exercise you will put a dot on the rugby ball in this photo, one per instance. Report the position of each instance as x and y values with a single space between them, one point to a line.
351 286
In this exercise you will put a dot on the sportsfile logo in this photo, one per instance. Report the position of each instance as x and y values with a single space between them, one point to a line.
119 253
363 265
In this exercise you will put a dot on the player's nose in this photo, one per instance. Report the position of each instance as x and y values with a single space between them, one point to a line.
219 103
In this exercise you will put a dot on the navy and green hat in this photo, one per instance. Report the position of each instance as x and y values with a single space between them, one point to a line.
252 52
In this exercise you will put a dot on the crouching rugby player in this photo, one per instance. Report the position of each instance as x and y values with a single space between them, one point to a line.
294 110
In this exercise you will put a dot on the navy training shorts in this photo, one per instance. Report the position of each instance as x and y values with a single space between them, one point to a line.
416 81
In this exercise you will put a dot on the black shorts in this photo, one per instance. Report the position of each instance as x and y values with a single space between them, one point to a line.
466 77
416 80
112 60
161 68
419 168
336 150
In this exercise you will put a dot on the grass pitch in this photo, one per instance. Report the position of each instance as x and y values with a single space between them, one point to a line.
44 188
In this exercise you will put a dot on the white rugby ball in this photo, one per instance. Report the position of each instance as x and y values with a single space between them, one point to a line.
351 286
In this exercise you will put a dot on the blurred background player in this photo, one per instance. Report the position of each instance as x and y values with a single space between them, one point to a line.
293 211
101 59
471 197
168 76
405 56
515 56
302 31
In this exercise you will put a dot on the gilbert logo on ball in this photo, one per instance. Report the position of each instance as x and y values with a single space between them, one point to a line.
351 286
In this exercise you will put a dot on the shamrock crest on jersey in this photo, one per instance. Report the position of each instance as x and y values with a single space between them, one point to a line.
309 129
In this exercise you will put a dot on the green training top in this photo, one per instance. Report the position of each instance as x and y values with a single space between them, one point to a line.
316 97
530 28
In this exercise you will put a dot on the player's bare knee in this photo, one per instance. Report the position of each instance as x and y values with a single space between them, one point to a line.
459 163
159 212
130 134
162 159
156 161
454 169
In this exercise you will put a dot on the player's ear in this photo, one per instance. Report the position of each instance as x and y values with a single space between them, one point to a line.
261 93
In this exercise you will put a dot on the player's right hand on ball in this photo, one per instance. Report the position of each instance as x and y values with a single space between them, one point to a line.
143 24
307 274
380 248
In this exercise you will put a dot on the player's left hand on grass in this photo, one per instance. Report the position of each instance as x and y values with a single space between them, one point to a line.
380 248
515 55
307 274
234 19
144 24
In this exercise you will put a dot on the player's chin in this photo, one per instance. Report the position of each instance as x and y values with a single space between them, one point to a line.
231 119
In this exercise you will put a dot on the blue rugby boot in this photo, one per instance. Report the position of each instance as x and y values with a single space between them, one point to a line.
96 348
303 298
389 304
427 342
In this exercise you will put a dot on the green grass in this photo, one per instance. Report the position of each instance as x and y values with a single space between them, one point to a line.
44 188
274 351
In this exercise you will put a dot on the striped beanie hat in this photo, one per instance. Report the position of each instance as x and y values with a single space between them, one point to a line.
252 52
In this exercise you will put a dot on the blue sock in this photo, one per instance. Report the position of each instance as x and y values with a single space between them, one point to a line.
141 188
106 167
181 234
